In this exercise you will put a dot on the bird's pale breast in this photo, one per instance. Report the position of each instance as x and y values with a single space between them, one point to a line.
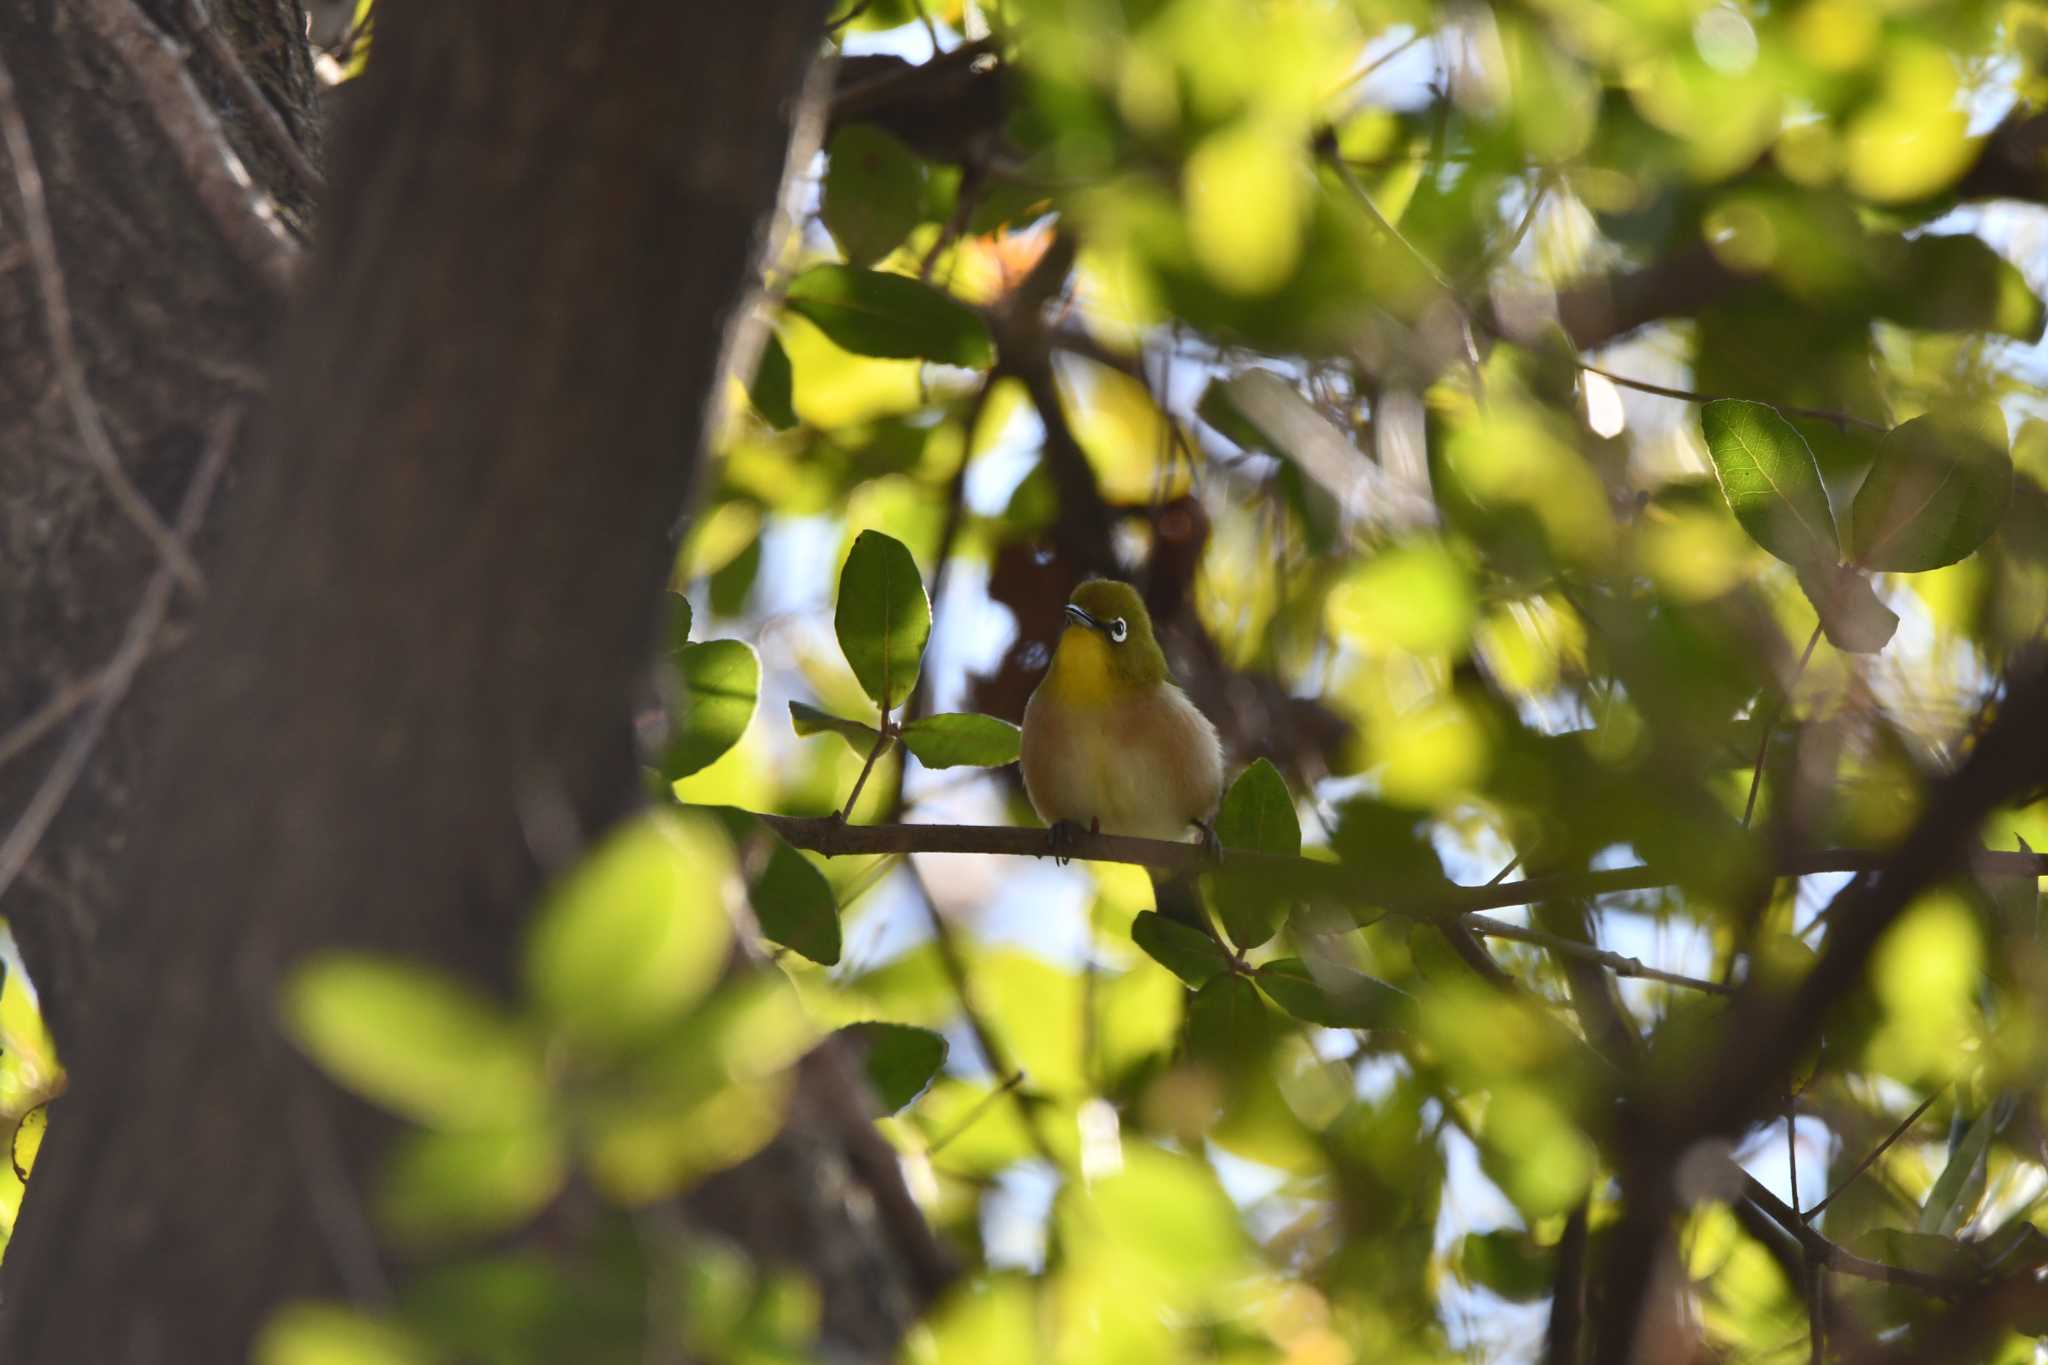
1148 764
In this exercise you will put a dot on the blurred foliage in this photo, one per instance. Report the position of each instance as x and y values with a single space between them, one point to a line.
1489 400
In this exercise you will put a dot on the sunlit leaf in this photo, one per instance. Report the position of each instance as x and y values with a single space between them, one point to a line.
307 1333
874 192
645 1146
809 720
1961 1182
962 740
721 681
883 618
636 932
794 904
414 1040
1771 481
442 1188
872 313
900 1060
1936 491
1187 952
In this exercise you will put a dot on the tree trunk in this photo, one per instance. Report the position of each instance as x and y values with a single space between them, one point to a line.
405 697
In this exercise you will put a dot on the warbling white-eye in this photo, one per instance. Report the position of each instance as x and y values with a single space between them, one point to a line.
1111 743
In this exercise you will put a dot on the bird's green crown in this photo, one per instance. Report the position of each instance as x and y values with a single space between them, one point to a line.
1111 631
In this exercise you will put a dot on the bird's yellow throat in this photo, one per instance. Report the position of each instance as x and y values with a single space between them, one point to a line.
1082 672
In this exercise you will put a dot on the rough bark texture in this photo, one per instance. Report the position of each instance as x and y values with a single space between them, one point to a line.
170 322
406 694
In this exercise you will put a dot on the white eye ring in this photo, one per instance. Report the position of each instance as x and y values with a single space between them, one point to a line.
1117 630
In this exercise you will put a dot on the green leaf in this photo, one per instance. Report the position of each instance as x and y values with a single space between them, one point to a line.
1936 490
1333 995
1961 1183
635 933
1228 1024
1851 616
900 1060
959 739
1509 1262
873 313
1958 283
883 618
307 1333
773 386
721 681
1258 814
1771 481
794 904
874 192
731 581
1187 952
413 1040
809 720
442 1188
679 623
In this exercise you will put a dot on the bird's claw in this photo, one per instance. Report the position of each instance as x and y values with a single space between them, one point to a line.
1060 837
1212 844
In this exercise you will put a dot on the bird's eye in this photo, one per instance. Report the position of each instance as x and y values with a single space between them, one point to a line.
1117 630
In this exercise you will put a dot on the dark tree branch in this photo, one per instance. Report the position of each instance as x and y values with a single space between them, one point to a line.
1767 1030
832 838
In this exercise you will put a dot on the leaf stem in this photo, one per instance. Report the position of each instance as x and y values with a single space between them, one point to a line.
1831 415
884 737
1881 1148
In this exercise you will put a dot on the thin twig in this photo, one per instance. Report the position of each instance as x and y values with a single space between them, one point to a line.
843 20
1881 1148
1586 952
1385 224
931 30
1763 744
1365 73
1792 1156
243 216
1506 249
136 643
255 105
968 1119
1838 419
1429 267
1821 1251
883 739
93 442
53 712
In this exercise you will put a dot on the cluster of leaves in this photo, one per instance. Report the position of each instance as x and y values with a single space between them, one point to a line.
1469 606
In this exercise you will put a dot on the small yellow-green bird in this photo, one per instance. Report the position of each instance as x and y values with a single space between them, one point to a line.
1110 742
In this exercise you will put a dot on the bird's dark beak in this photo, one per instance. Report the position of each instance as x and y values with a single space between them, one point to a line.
1082 618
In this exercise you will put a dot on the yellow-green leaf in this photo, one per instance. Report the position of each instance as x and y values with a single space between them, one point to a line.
634 934
414 1040
883 618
